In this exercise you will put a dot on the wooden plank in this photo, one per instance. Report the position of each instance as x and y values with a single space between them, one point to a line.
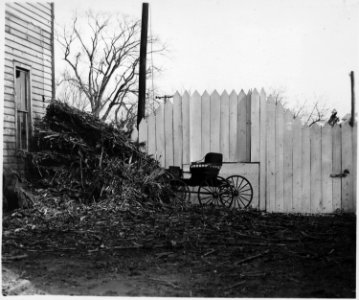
233 102
206 123
306 180
160 135
262 149
242 127
185 128
9 138
142 134
355 148
347 164
195 126
255 134
177 130
270 157
297 166
327 156
224 126
9 145
215 122
316 200
168 134
279 138
288 162
9 118
151 135
336 167
248 127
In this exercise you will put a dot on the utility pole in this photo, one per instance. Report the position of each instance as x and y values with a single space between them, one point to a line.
165 97
142 76
352 119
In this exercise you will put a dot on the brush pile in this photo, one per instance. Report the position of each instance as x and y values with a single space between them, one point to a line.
78 155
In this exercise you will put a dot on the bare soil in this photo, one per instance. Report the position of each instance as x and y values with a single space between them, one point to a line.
265 255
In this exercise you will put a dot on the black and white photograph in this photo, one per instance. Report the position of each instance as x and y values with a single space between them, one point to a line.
178 148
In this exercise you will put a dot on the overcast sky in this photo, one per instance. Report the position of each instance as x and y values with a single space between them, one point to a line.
305 48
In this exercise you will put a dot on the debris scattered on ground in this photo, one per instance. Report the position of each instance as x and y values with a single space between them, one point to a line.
226 253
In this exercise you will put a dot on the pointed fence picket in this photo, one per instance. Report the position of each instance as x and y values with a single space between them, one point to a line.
300 169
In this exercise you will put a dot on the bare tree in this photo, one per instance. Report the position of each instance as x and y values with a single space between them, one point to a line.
103 62
309 113
71 95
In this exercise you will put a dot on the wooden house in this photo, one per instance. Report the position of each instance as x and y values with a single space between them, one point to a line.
29 73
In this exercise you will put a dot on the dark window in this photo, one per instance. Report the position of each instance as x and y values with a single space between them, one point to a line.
22 100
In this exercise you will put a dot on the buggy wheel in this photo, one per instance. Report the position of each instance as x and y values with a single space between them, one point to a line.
180 192
208 192
242 191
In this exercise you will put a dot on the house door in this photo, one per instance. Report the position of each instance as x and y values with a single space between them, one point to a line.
22 100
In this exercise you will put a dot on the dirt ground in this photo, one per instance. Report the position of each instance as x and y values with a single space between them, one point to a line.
254 255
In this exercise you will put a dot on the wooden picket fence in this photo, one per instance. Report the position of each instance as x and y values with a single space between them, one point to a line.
300 167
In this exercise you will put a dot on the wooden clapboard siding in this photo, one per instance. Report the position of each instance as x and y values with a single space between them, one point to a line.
17 10
29 45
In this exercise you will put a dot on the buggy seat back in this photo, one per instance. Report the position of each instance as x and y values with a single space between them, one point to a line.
213 158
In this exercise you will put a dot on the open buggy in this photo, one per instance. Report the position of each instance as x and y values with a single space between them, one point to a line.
234 190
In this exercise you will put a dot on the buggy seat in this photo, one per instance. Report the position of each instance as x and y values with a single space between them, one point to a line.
207 170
